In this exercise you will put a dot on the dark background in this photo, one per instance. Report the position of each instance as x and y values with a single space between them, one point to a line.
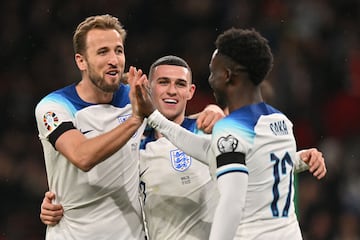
315 81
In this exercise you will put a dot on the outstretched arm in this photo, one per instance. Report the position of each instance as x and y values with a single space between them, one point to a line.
180 137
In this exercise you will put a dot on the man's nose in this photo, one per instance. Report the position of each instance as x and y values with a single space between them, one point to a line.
113 58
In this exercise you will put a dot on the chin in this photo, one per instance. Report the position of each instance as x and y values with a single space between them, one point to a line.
170 116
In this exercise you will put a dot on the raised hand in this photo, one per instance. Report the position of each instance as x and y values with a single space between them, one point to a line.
140 93
134 77
208 117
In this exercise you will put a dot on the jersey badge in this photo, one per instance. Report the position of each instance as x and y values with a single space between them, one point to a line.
123 118
50 120
227 144
179 160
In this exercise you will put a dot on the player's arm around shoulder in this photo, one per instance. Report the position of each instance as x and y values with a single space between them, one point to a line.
207 118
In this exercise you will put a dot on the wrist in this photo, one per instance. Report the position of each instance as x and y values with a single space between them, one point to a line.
154 118
135 120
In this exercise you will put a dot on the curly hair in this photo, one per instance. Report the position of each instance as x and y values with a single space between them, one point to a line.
248 48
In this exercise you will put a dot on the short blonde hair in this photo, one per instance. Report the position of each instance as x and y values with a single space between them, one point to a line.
95 22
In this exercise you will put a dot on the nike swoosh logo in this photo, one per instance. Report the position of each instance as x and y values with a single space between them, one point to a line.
85 132
142 173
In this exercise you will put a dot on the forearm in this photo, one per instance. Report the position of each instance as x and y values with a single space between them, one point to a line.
180 137
229 211
85 153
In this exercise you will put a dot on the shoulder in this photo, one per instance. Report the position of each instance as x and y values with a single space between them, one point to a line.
190 124
62 98
121 96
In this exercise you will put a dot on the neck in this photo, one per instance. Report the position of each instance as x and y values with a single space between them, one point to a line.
179 120
241 98
88 92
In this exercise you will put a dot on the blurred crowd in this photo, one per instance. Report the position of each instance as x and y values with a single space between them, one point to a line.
315 81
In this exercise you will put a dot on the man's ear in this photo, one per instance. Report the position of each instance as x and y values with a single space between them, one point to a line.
191 91
80 62
228 75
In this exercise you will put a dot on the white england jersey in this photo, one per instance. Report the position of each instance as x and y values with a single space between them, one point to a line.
104 202
265 136
179 195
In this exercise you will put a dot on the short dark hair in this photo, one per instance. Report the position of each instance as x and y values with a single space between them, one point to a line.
248 48
169 60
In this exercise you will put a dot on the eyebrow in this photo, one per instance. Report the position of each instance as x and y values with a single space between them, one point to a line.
168 78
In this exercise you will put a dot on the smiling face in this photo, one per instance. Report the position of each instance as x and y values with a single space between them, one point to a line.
171 88
104 60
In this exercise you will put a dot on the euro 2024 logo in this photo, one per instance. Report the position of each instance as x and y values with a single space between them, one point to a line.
50 120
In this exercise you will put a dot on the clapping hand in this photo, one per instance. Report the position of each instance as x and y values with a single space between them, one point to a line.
140 94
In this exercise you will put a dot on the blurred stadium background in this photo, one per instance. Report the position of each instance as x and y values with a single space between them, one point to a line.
315 81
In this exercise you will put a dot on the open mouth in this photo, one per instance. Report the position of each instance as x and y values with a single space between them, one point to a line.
170 101
113 73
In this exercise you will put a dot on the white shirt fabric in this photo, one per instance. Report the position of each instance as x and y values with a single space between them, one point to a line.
179 195
265 136
104 202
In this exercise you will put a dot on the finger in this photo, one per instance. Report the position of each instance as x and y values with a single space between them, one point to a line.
51 217
51 207
207 121
199 123
147 85
323 173
49 196
209 127
138 74
47 202
200 120
50 220
131 72
52 213
320 173
308 154
50 223
207 130
318 162
305 158
139 94
314 164
317 172
45 220
146 90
